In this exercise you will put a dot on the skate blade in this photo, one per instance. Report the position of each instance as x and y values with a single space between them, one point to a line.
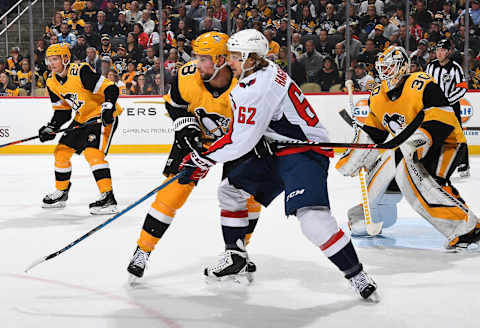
470 249
373 298
230 281
112 209
55 205
133 280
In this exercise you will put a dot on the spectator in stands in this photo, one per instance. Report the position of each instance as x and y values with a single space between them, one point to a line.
111 12
128 76
216 23
340 59
76 24
134 50
369 54
105 65
14 61
422 16
184 50
142 37
7 87
282 60
282 33
133 14
421 53
297 46
89 14
189 24
93 60
54 27
102 26
328 75
474 13
182 29
206 25
369 20
391 27
91 36
325 46
299 74
147 24
449 15
355 46
122 27
67 10
306 21
402 39
312 60
106 47
66 36
3 65
53 39
156 88
25 77
120 60
381 42
40 49
414 29
112 75
239 24
219 11
195 10
378 5
415 66
139 87
362 80
171 62
273 47
79 51
148 61
329 20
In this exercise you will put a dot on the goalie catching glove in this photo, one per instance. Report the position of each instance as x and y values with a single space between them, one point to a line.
195 167
417 145
354 159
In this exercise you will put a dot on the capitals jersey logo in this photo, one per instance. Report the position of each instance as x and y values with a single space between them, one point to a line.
213 125
394 122
73 102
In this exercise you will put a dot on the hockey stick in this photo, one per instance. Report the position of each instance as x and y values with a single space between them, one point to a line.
113 218
391 144
55 132
373 229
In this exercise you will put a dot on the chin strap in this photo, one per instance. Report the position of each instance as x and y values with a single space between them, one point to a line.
244 70
217 69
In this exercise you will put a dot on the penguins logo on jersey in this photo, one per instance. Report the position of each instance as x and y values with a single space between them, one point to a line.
73 102
395 122
213 124
446 77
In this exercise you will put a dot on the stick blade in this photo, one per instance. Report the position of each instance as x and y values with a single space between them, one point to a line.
374 229
35 263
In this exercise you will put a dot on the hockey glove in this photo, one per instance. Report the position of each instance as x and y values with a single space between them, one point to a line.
188 134
417 145
107 113
47 132
264 149
195 167
354 159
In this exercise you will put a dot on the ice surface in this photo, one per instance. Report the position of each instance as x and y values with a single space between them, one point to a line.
295 286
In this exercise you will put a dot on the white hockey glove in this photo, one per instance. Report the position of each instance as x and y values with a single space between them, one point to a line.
354 159
107 113
417 145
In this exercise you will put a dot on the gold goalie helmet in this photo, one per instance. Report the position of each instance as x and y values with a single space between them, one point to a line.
392 65
213 44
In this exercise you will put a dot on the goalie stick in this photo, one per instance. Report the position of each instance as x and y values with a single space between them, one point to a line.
113 218
55 132
373 228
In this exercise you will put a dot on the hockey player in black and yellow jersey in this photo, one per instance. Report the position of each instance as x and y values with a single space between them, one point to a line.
199 105
77 88
424 163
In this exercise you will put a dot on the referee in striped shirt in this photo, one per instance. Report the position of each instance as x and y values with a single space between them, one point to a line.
449 75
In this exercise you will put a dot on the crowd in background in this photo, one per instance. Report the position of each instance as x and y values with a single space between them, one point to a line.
121 39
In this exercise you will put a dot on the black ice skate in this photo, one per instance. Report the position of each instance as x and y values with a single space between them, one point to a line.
138 264
364 286
463 171
57 199
105 204
232 266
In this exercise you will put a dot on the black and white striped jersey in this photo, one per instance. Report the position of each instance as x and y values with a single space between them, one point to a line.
451 79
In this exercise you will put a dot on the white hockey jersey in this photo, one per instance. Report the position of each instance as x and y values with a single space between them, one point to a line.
267 103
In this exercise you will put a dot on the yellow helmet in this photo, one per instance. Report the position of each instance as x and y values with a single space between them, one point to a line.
59 49
212 43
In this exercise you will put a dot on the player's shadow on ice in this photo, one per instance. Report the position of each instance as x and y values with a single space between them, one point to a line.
278 282
55 217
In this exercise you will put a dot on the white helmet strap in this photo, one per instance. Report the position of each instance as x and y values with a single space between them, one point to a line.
217 69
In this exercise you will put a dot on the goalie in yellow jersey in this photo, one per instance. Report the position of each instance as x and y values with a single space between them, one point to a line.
199 105
77 87
421 168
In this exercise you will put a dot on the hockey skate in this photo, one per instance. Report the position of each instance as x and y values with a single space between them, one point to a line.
231 267
137 265
363 285
469 242
105 204
57 199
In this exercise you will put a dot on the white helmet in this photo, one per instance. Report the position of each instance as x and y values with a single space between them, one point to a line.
248 42
392 65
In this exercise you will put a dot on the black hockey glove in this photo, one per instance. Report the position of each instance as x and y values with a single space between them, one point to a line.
195 167
264 149
107 113
188 134
47 132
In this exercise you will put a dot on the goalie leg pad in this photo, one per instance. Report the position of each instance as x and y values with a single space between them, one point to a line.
434 202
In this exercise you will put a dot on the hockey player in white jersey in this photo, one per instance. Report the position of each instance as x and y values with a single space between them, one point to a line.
267 104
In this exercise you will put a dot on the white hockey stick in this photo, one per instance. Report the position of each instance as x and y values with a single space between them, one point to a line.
373 229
